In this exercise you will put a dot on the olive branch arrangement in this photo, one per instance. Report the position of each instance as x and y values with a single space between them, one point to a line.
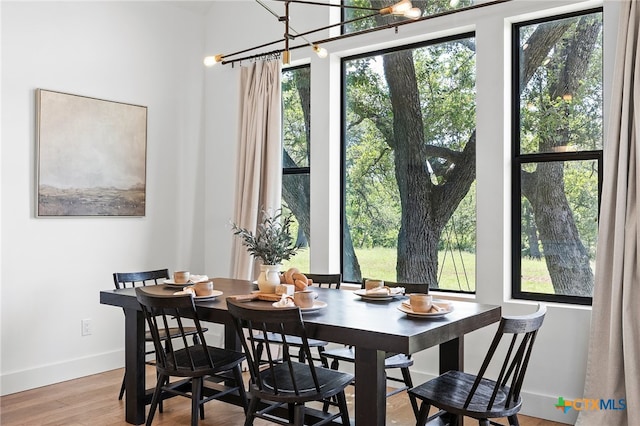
272 242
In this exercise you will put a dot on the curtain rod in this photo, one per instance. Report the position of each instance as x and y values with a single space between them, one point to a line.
357 33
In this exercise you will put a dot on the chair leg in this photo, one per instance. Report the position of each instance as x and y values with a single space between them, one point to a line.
298 414
196 394
423 413
253 407
154 401
334 364
237 374
201 397
406 375
342 405
323 360
124 380
513 420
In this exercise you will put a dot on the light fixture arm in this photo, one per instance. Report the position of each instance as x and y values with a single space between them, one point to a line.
224 58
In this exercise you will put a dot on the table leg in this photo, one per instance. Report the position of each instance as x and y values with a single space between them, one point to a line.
134 347
371 387
452 358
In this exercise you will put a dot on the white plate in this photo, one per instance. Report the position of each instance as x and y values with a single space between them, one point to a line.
407 310
373 296
213 295
175 284
317 305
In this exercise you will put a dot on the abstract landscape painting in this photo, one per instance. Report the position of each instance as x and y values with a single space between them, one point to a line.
91 156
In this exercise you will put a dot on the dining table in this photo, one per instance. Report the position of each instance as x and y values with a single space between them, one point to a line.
373 327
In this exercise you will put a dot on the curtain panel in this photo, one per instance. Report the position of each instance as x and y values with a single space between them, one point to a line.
613 366
259 160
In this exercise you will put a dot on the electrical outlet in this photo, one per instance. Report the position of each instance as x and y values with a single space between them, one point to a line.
87 329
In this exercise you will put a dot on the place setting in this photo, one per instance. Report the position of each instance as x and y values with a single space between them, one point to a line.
423 306
376 291
199 286
304 299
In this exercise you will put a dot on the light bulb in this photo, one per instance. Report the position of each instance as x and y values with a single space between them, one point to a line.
320 51
413 13
401 7
210 61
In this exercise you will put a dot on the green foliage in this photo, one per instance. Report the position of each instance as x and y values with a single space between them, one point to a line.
272 241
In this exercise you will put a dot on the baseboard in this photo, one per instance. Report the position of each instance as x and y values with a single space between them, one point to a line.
55 373
49 374
534 405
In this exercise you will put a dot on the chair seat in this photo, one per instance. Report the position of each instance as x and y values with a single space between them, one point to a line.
449 392
348 354
331 383
195 363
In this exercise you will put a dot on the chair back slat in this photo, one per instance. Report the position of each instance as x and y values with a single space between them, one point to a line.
408 287
326 280
136 279
522 331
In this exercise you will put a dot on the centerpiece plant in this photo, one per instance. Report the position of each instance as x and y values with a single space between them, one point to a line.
271 243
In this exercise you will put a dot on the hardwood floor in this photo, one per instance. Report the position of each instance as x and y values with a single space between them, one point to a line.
93 401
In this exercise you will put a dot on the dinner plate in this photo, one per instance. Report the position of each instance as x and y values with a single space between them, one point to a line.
213 295
407 310
317 305
175 284
373 296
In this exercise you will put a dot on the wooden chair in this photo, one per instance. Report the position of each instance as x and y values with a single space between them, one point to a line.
320 280
178 356
393 360
284 381
328 280
477 396
145 278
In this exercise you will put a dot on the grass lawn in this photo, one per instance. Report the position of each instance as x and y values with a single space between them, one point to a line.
456 270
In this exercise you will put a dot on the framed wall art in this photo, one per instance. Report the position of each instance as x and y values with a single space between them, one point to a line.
91 156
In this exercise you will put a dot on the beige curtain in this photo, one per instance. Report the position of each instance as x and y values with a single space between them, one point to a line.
613 367
259 161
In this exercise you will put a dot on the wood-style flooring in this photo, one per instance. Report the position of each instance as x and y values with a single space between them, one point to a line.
93 401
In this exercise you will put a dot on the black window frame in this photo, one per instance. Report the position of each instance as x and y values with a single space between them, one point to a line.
519 159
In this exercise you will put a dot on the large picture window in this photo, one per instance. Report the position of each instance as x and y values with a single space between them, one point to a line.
557 156
409 165
296 113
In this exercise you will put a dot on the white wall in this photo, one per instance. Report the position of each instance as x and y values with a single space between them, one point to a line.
145 53
558 364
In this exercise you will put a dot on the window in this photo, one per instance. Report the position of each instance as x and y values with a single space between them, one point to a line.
409 165
557 156
296 156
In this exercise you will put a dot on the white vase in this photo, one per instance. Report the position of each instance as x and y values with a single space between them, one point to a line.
269 278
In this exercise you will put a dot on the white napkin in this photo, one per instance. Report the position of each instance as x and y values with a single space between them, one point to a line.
379 290
385 290
198 278
186 290
284 302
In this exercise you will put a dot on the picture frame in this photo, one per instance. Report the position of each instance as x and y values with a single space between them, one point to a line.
91 156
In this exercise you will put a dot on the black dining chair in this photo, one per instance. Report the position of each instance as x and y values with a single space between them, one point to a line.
320 280
285 382
393 361
478 396
179 356
141 279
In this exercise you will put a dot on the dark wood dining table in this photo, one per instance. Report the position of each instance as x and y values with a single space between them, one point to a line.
372 327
